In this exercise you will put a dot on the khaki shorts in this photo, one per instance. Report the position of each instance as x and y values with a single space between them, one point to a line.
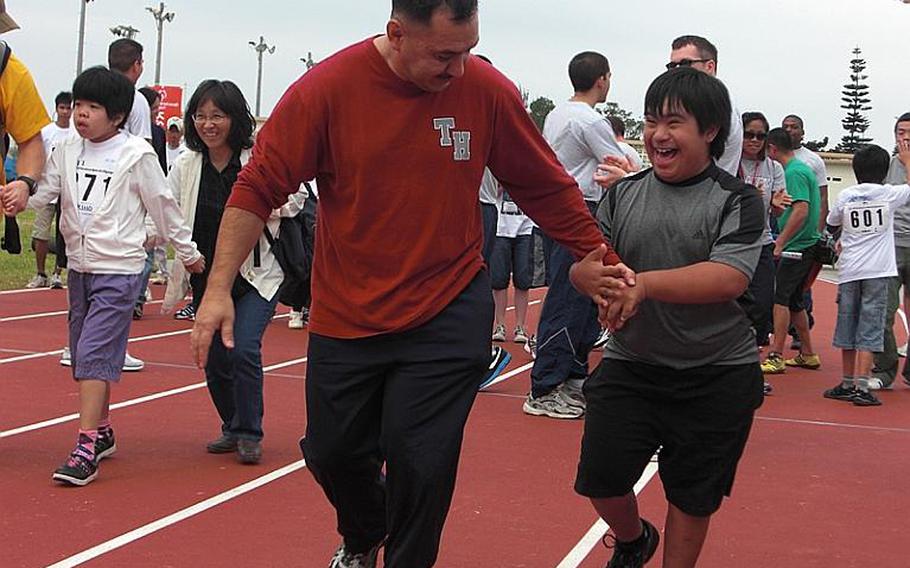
44 220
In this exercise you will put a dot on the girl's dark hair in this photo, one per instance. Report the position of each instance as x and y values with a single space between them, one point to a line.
108 88
697 93
226 96
150 94
752 117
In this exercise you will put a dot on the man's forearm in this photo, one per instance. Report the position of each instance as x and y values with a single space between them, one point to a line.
823 216
31 157
237 236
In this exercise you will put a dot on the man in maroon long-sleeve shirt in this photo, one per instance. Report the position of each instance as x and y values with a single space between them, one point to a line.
397 130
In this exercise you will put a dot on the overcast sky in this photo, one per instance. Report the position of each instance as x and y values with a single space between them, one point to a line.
777 56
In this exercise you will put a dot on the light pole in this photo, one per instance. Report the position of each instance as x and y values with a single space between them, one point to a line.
260 48
308 61
80 50
160 17
128 32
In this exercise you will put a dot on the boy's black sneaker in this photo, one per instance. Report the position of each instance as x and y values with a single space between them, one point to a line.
105 444
840 392
865 398
79 469
635 554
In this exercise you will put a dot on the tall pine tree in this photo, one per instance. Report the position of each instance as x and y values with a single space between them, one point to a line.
856 103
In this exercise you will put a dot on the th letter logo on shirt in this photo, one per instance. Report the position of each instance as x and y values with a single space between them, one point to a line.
449 137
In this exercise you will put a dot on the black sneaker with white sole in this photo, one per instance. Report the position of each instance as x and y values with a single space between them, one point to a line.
841 392
498 361
105 445
81 468
865 398
634 554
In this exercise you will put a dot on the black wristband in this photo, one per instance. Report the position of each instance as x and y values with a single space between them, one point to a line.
32 184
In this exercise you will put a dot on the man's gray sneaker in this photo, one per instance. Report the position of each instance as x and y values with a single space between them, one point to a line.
572 395
553 405
345 559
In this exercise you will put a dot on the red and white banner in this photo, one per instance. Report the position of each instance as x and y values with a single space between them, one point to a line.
171 103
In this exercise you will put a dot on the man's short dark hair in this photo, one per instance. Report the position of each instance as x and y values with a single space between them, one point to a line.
150 94
870 164
902 118
226 96
422 10
779 138
586 68
108 88
697 93
484 57
796 118
619 127
706 49
123 53
64 98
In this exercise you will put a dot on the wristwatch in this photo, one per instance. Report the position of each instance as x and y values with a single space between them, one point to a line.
32 184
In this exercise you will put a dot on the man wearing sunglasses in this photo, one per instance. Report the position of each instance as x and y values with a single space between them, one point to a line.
699 53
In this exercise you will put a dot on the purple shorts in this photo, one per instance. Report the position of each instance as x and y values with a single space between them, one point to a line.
101 311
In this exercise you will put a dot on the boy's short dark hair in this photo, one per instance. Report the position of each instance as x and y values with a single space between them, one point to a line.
64 98
226 96
150 94
902 118
779 138
586 68
619 127
422 10
123 53
108 88
706 49
700 95
870 164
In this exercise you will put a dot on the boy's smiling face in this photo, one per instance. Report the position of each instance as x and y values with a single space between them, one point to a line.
677 148
93 123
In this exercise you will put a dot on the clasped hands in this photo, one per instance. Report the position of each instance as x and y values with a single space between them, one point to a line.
615 289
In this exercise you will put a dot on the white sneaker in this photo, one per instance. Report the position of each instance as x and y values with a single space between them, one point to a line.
521 336
295 320
39 281
66 359
131 364
902 350
55 282
499 334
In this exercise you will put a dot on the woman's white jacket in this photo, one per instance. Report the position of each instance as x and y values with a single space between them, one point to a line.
265 276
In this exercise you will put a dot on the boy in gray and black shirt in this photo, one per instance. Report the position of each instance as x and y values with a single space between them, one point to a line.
681 371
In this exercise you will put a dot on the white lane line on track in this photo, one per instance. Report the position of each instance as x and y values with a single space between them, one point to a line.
509 375
51 314
834 424
25 290
133 402
130 340
599 528
174 518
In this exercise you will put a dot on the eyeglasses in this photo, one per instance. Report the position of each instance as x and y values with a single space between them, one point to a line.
754 135
215 119
685 63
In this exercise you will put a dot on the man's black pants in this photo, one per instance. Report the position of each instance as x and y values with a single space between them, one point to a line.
401 400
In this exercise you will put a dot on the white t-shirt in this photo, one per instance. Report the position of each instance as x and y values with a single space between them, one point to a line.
815 162
172 153
512 222
51 135
865 213
733 148
489 188
581 137
94 170
140 120
768 176
632 155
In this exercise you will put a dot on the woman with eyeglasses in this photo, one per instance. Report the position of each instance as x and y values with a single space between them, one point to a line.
757 169
219 135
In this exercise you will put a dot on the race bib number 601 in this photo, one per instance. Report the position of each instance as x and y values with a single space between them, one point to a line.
866 218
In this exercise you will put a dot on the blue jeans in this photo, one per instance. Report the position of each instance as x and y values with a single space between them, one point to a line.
234 376
146 273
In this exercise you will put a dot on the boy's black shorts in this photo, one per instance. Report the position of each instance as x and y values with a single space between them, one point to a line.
700 416
790 280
